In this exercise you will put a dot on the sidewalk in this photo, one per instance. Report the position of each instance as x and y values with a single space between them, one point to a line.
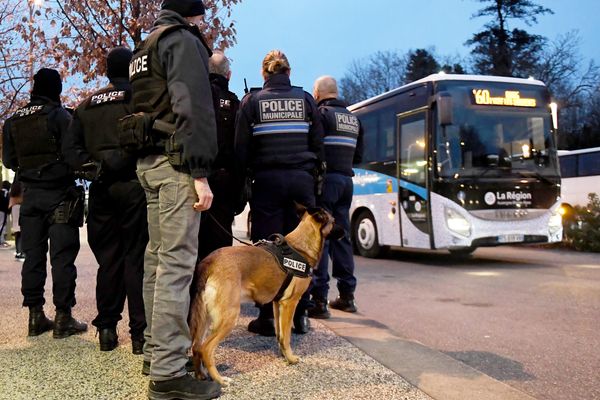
43 368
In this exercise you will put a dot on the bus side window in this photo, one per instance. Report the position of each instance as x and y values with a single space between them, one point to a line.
413 162
369 125
588 164
568 166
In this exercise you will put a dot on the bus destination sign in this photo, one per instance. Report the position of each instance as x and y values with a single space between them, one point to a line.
511 98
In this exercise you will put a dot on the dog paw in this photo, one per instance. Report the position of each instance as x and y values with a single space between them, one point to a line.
224 381
292 359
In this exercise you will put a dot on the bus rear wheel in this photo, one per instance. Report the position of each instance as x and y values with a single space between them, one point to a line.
365 235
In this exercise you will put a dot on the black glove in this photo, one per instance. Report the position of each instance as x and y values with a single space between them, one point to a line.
319 176
245 195
90 171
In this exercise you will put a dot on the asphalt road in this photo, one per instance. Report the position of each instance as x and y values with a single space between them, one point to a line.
525 316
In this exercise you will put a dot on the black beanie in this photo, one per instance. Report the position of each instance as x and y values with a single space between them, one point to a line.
185 8
117 62
47 83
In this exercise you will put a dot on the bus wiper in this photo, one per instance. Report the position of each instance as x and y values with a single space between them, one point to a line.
535 174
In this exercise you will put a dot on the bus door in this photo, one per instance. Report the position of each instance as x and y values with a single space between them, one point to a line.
413 195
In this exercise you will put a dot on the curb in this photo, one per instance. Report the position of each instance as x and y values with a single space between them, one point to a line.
438 375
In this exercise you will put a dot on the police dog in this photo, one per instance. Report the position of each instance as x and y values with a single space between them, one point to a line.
228 274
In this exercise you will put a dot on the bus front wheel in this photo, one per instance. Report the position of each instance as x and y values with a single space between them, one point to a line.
365 235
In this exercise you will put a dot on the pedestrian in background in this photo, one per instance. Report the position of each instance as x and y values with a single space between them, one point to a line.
172 94
52 206
215 229
279 138
117 222
4 210
14 205
343 147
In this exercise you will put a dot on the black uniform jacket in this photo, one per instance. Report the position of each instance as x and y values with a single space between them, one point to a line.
185 62
245 150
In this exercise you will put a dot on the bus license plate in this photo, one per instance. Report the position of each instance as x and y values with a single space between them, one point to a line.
516 238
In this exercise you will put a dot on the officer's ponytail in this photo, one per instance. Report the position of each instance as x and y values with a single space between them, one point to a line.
275 63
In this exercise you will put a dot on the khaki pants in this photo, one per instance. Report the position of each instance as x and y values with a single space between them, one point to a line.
169 264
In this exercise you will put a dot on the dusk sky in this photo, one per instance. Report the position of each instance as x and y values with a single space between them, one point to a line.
324 36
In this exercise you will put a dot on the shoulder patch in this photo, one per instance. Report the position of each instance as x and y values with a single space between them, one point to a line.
26 111
113 96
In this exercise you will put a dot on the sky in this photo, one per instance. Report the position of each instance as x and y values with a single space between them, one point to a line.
323 37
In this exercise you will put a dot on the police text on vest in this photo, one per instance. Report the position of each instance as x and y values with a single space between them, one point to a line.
281 110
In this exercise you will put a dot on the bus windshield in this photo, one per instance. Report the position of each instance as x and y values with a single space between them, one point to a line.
496 131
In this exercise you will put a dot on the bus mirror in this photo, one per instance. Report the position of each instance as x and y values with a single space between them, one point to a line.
444 108
554 111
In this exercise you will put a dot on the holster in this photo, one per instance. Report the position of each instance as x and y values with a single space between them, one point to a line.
174 152
319 177
71 209
135 131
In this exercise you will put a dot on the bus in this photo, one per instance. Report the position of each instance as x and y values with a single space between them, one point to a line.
457 162
580 173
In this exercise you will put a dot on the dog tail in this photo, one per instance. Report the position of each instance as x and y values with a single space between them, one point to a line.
197 318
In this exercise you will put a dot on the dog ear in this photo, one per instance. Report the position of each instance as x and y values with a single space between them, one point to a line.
319 214
336 233
300 209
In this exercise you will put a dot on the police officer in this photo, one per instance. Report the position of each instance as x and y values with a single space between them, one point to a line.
52 208
343 147
174 113
215 229
116 223
279 137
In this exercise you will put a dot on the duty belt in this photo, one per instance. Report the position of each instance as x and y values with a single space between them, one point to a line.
288 259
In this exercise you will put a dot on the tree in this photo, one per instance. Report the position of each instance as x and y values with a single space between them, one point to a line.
87 29
421 63
379 73
19 58
500 51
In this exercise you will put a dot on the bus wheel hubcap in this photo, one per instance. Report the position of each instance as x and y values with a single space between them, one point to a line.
366 234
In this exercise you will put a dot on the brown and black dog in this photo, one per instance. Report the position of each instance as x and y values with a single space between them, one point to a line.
229 274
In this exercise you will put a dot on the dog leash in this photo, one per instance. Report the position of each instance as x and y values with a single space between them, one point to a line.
225 230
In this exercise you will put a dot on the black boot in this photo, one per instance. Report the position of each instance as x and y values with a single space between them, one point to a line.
38 322
137 345
319 311
109 340
264 324
65 325
185 387
301 322
344 303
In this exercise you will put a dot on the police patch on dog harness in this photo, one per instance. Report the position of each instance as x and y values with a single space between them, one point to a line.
288 259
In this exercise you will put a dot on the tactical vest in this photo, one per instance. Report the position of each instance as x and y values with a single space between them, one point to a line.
148 79
99 116
35 144
341 135
280 131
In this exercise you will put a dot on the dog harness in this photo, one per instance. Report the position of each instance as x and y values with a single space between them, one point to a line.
289 260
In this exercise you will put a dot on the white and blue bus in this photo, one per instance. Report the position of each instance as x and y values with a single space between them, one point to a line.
580 175
457 162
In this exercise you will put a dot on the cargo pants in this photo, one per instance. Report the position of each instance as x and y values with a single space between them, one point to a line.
169 264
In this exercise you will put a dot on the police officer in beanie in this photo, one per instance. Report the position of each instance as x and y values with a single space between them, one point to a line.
116 223
52 206
215 229
343 147
279 137
174 113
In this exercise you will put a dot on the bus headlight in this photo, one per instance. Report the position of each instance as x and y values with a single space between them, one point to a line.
555 223
457 223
